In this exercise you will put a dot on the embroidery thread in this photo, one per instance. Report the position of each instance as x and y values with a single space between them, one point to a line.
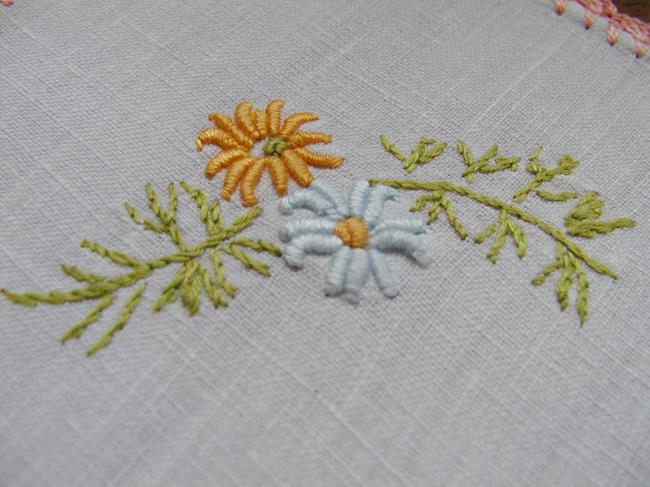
617 22
584 219
190 281
351 230
419 156
482 164
581 221
541 174
354 232
283 144
557 197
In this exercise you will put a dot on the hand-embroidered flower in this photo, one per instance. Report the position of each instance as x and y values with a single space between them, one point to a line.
283 147
355 233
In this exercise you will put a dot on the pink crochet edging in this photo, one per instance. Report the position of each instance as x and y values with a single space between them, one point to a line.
605 9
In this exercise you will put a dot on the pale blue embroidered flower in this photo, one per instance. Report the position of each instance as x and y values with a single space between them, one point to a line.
354 232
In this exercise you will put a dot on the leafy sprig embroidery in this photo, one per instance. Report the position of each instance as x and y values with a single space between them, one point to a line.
426 150
582 221
489 163
541 175
192 279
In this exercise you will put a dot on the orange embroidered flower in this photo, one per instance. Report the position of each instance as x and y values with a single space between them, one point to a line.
283 148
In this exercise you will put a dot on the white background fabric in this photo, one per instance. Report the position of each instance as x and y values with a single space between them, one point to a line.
472 376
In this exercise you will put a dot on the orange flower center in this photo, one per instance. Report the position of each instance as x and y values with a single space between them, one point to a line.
353 232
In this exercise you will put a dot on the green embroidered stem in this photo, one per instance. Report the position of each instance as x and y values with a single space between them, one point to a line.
391 149
172 203
582 287
190 288
148 224
583 219
512 210
419 156
541 277
569 257
118 258
201 201
167 218
188 283
215 215
556 197
247 261
126 313
141 271
217 266
542 174
257 245
482 165
211 288
81 275
168 294
571 273
438 203
154 203
77 330
564 284
487 232
504 228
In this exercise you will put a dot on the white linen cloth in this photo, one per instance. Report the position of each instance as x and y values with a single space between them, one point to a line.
471 376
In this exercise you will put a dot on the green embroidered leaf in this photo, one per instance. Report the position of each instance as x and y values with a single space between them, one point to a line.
482 164
583 220
190 281
504 228
81 275
556 197
541 175
440 202
125 314
572 275
247 261
418 156
77 330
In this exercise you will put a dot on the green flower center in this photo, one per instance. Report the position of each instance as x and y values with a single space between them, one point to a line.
274 146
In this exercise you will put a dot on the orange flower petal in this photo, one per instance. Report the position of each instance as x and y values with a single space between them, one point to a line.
302 139
236 136
293 122
318 160
244 119
221 160
273 115
225 123
260 122
297 168
250 180
279 175
215 136
235 173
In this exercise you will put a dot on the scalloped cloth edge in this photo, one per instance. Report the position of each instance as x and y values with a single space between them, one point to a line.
617 22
